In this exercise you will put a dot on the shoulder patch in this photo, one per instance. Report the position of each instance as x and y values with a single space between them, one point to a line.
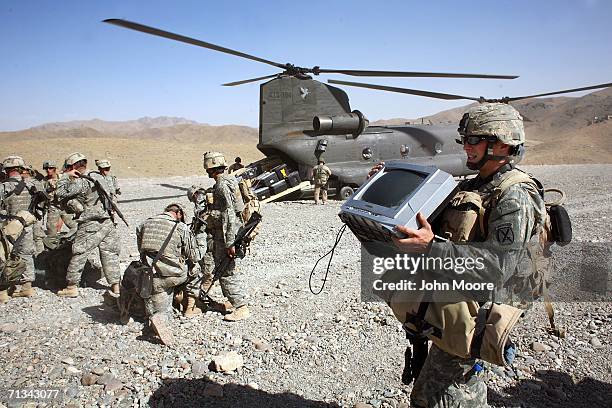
504 233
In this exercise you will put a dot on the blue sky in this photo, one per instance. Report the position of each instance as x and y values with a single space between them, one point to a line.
59 62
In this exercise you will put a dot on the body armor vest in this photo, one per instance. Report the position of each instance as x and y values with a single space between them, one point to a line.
155 231
14 201
320 174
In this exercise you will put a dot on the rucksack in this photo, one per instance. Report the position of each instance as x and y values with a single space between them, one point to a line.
130 301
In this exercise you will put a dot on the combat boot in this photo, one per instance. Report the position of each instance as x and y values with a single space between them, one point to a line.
158 322
69 291
26 290
191 310
4 297
220 307
111 297
240 313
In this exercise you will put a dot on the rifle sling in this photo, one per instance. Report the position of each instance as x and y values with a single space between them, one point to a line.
163 247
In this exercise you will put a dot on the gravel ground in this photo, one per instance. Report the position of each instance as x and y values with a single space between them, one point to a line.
299 349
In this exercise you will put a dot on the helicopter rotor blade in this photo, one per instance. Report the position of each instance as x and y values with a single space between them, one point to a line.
246 81
586 88
177 37
428 94
408 74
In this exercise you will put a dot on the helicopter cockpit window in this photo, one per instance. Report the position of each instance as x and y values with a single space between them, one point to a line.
366 153
438 148
404 150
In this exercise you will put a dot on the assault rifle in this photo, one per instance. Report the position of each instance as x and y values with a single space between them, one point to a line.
35 208
107 201
241 243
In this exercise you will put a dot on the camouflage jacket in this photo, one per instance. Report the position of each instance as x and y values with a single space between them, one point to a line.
225 193
512 222
113 186
85 192
181 252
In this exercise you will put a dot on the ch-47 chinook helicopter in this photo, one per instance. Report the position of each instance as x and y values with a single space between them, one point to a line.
302 120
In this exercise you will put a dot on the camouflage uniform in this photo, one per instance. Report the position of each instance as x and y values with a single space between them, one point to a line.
225 202
13 202
96 232
446 380
208 220
55 213
179 261
321 174
113 186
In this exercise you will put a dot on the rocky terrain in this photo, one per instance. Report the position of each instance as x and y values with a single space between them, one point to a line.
298 349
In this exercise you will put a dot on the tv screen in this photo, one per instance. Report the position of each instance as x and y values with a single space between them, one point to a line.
392 188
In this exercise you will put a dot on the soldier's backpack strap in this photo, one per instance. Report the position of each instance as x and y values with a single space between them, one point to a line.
563 236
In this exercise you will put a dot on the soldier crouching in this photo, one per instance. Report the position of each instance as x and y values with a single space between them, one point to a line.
166 244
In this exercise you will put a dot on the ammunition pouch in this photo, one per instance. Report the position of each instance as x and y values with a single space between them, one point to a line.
464 329
463 218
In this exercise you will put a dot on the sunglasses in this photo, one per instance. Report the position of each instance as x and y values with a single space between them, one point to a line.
474 140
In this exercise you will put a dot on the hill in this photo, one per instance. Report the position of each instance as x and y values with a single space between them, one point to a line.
559 130
139 148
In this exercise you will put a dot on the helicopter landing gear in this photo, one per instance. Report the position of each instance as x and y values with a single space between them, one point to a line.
345 192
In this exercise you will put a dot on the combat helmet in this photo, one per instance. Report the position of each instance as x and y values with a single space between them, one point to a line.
103 163
214 160
49 164
494 119
12 162
174 207
74 158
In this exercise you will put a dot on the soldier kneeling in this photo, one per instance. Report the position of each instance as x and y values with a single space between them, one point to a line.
170 250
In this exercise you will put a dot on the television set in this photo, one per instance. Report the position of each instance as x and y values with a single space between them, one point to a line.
394 196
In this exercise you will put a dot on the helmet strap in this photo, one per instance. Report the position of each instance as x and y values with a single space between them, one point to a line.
488 156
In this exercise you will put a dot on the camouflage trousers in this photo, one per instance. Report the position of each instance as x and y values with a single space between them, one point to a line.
54 215
25 249
320 190
229 280
207 262
91 237
447 381
55 218
162 294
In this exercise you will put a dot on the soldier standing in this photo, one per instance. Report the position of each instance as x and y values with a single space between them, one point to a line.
17 195
321 174
493 138
95 228
205 220
227 200
104 167
237 165
55 216
178 261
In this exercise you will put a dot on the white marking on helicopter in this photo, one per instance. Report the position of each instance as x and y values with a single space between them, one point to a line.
304 92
